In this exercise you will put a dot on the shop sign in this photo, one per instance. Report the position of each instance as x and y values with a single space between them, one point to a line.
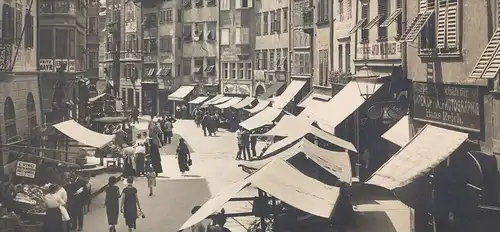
452 105
229 88
259 75
237 89
59 62
71 66
46 65
380 50
25 169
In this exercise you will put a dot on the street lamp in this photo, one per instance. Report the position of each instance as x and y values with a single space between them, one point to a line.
366 73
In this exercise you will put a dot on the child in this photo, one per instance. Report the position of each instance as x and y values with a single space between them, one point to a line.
151 176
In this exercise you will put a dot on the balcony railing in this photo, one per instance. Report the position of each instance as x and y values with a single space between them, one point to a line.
308 19
5 55
58 7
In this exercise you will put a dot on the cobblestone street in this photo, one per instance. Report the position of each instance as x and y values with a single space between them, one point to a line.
213 168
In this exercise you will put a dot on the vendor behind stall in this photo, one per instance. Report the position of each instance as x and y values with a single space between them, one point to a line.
7 193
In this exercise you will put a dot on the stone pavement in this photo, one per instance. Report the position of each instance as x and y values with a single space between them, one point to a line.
213 168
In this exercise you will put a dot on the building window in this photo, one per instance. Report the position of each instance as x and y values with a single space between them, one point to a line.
29 33
198 3
447 26
365 14
348 58
273 22
258 24
10 120
399 20
323 68
72 45
151 20
211 31
383 11
163 44
93 59
242 35
124 96
225 5
187 31
301 63
198 66
348 9
285 20
62 41
92 26
264 62
137 98
210 69
341 58
248 68
225 35
271 60
225 70
241 71
8 21
277 21
186 67
265 27
19 24
341 10
166 16
233 70
256 57
322 8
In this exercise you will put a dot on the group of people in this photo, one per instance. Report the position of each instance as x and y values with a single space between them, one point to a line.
65 204
209 121
246 142
129 205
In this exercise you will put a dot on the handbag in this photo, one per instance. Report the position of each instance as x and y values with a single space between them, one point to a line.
189 162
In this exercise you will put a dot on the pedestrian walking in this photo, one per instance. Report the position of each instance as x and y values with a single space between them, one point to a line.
154 152
168 127
199 117
245 142
151 176
198 227
211 125
253 143
240 145
183 156
140 155
129 162
170 118
53 221
130 206
112 203
204 123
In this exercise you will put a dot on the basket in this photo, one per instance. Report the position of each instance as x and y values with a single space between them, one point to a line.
30 226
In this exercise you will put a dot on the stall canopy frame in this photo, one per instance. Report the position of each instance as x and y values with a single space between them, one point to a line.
83 135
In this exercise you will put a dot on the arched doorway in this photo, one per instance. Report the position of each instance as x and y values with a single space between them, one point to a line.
31 115
259 90
9 113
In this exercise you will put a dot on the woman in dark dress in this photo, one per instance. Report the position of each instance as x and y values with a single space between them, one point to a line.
183 156
154 145
130 206
128 162
112 203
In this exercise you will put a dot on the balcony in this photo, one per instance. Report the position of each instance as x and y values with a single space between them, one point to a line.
308 19
57 7
5 55
150 33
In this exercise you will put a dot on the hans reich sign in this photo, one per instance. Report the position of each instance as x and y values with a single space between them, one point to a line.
452 105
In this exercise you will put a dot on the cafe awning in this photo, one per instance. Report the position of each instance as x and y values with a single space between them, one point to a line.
335 162
244 103
288 95
279 146
229 103
181 93
220 100
217 97
271 90
259 107
343 104
313 97
282 181
198 100
93 99
399 134
289 125
423 152
265 117
83 135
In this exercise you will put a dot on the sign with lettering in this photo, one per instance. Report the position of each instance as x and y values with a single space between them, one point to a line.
59 62
452 105
380 50
71 66
46 65
237 89
25 169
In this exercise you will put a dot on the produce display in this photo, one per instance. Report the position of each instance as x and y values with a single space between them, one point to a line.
110 151
31 196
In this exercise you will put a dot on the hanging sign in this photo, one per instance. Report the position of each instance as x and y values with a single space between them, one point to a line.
26 169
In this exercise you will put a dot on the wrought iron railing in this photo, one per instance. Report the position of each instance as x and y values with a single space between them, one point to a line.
6 54
57 7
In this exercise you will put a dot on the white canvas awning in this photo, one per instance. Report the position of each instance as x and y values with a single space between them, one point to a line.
181 93
286 142
265 117
217 97
220 100
271 90
259 107
288 95
286 183
198 100
399 134
244 103
423 152
229 103
93 99
289 125
313 97
83 135
336 163
343 104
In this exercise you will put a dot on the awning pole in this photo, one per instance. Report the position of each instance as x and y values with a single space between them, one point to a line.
262 219
41 157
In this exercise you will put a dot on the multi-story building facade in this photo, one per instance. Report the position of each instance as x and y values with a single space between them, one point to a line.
271 47
323 46
103 36
62 28
236 46
19 84
92 46
343 42
301 42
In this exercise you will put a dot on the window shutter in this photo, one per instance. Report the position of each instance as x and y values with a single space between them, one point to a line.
423 5
441 24
237 35
452 26
250 3
237 4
